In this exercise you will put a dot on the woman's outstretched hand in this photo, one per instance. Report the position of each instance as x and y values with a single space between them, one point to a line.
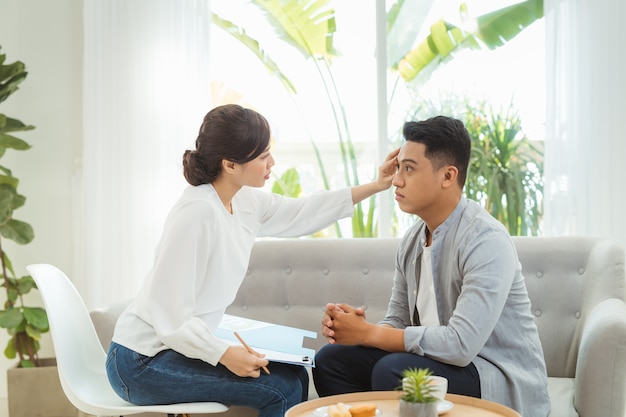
388 169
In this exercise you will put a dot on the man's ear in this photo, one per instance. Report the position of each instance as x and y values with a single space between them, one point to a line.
450 175
228 166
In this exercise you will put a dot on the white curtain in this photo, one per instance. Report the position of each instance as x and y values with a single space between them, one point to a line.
146 89
585 148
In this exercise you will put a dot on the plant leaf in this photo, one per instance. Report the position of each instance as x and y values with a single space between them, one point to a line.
308 25
11 318
11 76
502 25
8 124
27 363
9 351
24 285
493 30
8 186
37 318
288 184
444 38
253 45
17 231
404 20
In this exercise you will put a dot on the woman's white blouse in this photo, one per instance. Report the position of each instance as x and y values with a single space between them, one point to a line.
202 258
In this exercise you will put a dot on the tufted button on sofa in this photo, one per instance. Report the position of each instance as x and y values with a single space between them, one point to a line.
576 285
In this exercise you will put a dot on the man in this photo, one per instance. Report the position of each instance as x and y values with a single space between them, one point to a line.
459 305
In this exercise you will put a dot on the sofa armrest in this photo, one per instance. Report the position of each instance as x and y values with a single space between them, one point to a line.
601 367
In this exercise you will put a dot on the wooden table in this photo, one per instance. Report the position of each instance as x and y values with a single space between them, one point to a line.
387 403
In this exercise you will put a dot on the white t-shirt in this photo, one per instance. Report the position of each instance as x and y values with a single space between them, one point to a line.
426 302
202 259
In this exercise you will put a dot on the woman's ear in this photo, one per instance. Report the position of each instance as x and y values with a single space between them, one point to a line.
228 166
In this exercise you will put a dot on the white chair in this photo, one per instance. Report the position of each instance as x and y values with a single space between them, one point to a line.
80 356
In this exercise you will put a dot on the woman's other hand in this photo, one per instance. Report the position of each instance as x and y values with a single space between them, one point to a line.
243 363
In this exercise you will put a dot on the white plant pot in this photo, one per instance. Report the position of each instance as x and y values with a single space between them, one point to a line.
408 409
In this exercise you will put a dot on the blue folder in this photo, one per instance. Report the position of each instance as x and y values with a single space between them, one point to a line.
279 343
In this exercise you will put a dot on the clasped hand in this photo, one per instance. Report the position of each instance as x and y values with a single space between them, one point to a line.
345 324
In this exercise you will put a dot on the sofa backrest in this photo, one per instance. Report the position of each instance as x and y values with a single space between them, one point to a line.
289 282
565 277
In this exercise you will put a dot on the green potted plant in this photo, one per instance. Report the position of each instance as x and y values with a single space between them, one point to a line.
32 377
505 173
309 27
506 169
418 399
24 324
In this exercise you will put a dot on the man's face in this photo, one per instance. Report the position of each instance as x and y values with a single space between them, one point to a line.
417 184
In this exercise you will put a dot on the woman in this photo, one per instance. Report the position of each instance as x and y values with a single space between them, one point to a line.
164 349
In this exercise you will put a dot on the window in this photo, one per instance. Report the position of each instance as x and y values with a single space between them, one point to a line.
304 122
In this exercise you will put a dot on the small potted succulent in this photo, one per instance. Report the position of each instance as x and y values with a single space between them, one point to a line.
419 398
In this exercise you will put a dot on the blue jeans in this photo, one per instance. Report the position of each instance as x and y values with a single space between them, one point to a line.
170 377
341 369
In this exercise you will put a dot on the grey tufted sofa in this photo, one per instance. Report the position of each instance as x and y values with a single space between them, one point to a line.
576 285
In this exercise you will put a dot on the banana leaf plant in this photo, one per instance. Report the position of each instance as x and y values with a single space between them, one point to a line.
24 324
491 31
309 27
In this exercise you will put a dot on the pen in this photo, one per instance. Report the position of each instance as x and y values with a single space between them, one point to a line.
249 349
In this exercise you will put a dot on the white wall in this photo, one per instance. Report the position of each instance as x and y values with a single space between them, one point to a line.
47 37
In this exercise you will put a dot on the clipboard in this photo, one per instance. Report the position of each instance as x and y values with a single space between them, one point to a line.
277 342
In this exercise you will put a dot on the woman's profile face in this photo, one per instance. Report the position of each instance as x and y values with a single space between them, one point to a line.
254 173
